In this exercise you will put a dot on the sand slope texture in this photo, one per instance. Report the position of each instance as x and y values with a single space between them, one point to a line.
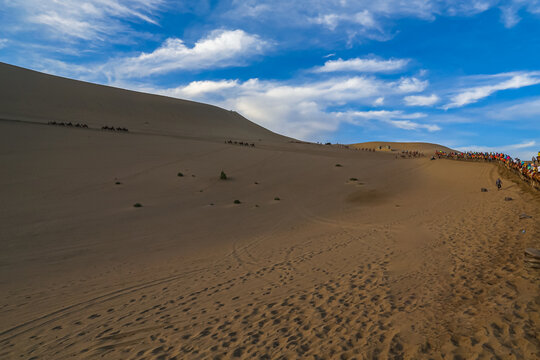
375 258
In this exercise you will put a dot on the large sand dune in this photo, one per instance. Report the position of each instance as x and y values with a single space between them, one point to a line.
33 96
377 258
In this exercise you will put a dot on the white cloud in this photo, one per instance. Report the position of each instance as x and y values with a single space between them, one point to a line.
304 110
379 101
509 16
3 43
409 125
421 100
362 65
95 20
510 10
220 49
386 114
368 18
198 88
363 18
396 118
521 110
329 20
412 84
473 94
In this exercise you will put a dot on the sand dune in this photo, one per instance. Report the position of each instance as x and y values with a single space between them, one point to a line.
376 258
30 95
426 148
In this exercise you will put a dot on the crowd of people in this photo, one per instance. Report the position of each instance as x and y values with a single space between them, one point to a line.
527 170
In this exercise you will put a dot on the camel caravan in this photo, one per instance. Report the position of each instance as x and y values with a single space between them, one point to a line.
528 171
85 126
242 143
68 124
112 128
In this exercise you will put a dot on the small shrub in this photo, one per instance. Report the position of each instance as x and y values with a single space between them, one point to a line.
118 183
137 205
353 179
339 165
277 199
179 174
256 183
237 202
223 176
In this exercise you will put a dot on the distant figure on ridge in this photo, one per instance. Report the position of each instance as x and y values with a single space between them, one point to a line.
499 184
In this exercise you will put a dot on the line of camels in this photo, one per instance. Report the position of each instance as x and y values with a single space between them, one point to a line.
239 143
85 126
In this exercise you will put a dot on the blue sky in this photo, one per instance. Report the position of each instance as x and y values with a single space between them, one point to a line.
465 74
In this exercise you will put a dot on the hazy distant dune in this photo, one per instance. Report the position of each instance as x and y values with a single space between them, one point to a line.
426 148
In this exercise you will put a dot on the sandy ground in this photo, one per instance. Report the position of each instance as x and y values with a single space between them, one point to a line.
410 260
330 252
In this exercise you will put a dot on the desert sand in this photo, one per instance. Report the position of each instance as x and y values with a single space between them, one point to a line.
331 252
426 148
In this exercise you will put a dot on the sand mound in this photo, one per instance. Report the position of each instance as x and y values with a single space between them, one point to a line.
34 96
426 148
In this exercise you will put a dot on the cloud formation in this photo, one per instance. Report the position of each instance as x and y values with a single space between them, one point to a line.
91 20
421 100
396 118
371 19
474 94
362 65
222 48
306 110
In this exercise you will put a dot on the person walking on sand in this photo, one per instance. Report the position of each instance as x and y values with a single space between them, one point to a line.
499 184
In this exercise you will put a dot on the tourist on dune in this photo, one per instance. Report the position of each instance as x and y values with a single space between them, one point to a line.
499 184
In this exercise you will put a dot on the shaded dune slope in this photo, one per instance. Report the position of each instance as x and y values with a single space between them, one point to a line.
33 96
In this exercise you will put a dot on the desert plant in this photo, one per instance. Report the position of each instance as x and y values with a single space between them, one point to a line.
277 199
137 205
118 183
179 174
353 179
339 165
223 176
237 202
